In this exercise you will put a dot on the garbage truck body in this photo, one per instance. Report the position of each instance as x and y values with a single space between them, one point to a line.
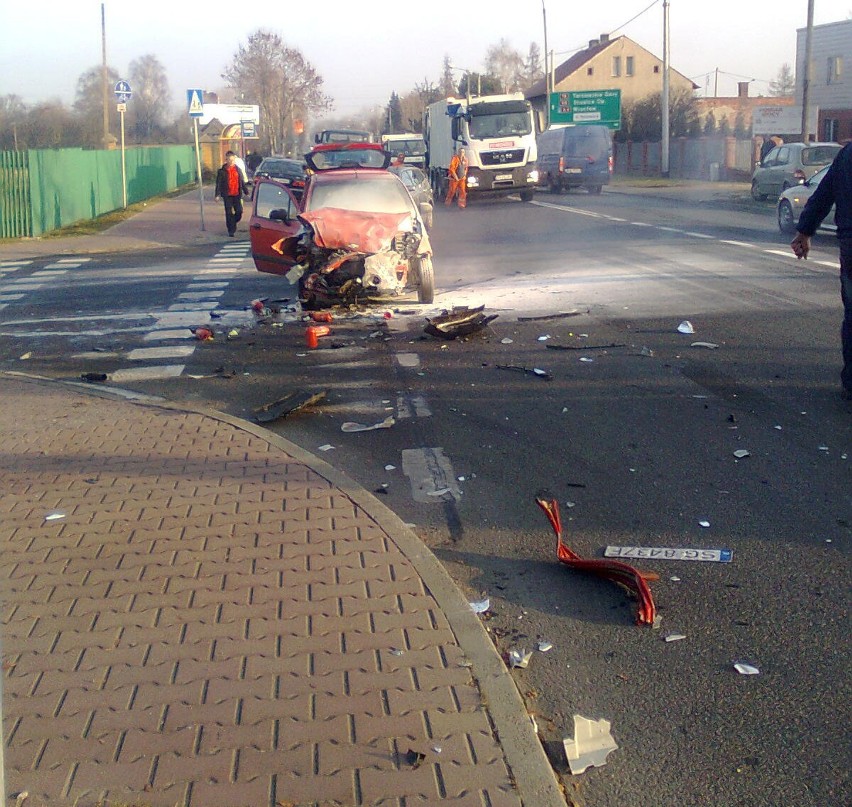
497 133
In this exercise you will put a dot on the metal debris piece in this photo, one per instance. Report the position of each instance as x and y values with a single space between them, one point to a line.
674 637
537 371
544 318
93 377
685 327
54 516
480 606
543 646
669 553
520 658
461 321
741 452
590 746
287 405
746 669
585 347
360 427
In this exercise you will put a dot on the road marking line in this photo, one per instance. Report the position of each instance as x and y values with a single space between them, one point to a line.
169 352
7 298
62 266
222 271
831 264
208 284
148 373
192 306
738 243
14 264
699 235
412 406
669 229
173 333
74 260
50 273
2 306
640 224
782 253
22 286
200 295
431 475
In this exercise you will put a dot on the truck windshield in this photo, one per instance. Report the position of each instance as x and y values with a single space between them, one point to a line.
411 148
511 124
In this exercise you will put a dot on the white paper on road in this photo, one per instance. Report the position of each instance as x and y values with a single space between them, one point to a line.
430 471
591 744
669 553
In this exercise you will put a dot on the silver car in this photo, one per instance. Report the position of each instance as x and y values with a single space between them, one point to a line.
793 200
790 164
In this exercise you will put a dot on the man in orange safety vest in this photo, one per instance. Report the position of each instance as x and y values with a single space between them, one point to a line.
458 178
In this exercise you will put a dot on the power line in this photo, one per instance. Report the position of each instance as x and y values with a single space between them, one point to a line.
623 25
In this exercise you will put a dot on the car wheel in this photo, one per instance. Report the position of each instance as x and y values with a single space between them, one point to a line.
786 218
426 279
755 192
595 189
527 195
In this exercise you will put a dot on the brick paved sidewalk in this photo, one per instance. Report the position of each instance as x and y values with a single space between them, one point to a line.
220 619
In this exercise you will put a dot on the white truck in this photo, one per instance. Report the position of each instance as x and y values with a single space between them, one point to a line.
498 136
410 145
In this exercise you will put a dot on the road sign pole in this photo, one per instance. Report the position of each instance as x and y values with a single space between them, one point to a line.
198 168
123 163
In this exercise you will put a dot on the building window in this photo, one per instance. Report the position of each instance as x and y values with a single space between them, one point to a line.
616 66
656 68
628 66
835 69
830 129
590 71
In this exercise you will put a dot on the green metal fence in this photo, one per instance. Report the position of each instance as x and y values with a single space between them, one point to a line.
44 190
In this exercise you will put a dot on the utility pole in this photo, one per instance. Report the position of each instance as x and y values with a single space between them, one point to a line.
664 156
716 84
806 74
104 83
547 88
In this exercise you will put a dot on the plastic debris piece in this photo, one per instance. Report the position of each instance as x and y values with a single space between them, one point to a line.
480 606
520 658
746 669
590 746
360 427
586 359
54 516
708 345
25 356
646 351
414 758
536 371
320 316
313 333
544 337
326 447
674 637
203 334
390 467
461 321
703 523
93 377
543 646
614 570
506 341
287 405
822 448
675 579
437 749
741 452
685 327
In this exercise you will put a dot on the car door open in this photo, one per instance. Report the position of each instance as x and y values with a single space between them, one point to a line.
273 227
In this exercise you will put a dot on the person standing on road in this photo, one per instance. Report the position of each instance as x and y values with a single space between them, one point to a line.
231 186
835 189
458 179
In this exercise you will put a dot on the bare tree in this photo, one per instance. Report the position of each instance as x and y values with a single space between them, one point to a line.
13 114
533 69
784 83
150 102
280 80
505 64
89 105
447 84
52 125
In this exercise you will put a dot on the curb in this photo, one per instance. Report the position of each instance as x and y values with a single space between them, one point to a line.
529 766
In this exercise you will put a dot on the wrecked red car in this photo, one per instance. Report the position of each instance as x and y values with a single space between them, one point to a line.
356 233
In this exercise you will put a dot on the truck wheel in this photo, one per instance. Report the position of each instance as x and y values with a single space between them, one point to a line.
527 195
426 280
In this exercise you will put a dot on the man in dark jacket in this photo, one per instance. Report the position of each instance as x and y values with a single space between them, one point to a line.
231 186
835 189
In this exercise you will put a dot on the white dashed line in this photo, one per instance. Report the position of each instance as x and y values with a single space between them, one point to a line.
174 333
200 295
170 352
148 373
738 243
698 235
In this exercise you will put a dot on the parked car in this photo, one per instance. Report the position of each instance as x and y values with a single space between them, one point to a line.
288 171
793 200
354 233
417 184
575 157
790 164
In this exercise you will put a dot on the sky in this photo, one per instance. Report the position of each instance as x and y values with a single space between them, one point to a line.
364 53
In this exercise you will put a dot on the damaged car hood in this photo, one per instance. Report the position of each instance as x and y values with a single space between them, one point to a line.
336 228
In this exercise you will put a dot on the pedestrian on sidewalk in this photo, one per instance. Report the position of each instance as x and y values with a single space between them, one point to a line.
458 179
834 189
231 186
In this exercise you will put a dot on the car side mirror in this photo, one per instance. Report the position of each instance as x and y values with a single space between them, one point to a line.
279 215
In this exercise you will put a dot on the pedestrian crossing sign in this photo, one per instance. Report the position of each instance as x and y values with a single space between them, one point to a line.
194 103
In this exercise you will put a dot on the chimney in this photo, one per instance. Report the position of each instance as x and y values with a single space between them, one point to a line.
742 89
604 39
593 43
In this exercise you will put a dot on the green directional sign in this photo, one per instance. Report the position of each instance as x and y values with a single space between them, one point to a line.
587 106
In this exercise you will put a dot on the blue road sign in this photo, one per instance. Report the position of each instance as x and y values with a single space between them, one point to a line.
194 103
122 91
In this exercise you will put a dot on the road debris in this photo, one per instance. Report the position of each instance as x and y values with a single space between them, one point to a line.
93 377
703 523
543 646
54 516
520 658
685 327
25 356
414 758
360 427
674 637
233 334
544 337
536 371
480 606
461 321
285 406
546 317
646 351
202 334
742 452
669 553
585 347
590 746
616 571
746 669
314 332
708 345
320 316
390 467
506 341
325 447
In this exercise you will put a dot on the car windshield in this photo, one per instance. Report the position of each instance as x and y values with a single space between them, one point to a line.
510 124
348 158
819 155
281 168
410 148
367 195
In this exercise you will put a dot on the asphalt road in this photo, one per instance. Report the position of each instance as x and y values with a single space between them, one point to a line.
634 435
